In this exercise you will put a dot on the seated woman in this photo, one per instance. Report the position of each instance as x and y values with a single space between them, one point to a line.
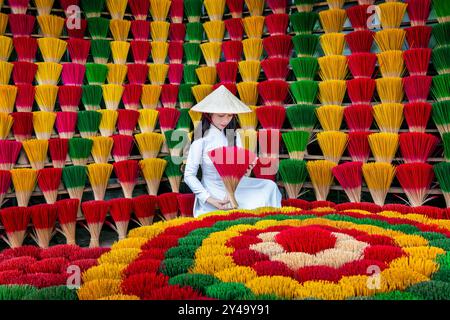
217 129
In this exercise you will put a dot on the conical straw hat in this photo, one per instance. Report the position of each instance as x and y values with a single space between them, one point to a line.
221 100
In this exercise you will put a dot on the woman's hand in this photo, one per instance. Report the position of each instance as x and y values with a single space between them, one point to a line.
219 204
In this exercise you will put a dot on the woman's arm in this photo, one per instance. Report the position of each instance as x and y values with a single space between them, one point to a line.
193 161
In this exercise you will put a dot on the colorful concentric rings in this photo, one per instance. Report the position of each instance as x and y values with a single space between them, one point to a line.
285 253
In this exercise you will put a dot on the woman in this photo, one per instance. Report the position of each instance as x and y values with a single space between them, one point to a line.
217 130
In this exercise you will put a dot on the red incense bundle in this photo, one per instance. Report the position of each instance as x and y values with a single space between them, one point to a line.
230 86
120 210
168 205
358 117
9 152
43 217
175 52
360 41
137 73
235 7
349 176
358 146
360 91
67 217
25 97
78 30
417 88
169 95
127 173
25 48
18 6
271 117
140 50
273 92
275 68
122 147
186 204
266 168
132 96
415 179
278 46
277 23
418 36
69 98
73 74
235 29
232 50
144 209
58 149
177 12
362 65
65 124
24 72
140 29
231 163
22 127
48 181
5 183
95 213
277 6
417 115
177 32
127 121
139 9
417 61
269 143
227 71
15 220
21 25
416 146
175 73
168 118
78 50
418 11
358 16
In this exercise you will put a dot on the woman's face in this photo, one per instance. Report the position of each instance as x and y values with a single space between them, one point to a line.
221 120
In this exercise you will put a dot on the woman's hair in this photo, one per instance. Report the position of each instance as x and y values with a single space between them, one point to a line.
205 124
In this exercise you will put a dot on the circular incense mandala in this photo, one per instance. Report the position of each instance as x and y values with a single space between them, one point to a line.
285 253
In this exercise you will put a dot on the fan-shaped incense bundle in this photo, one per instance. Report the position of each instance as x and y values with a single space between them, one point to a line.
332 43
120 210
52 49
415 179
79 150
67 217
330 117
296 142
390 39
95 213
43 122
88 123
149 144
48 73
48 181
51 26
43 217
211 52
417 147
303 22
333 67
253 26
36 151
157 73
249 139
58 149
442 170
441 116
384 146
101 149
6 122
293 174
358 117
7 98
144 209
24 182
304 68
116 73
255 7
152 170
150 96
349 176
358 146
391 14
201 91
417 115
15 221
390 90
320 172
277 23
98 174
120 29
119 50
46 97
388 116
302 117
159 9
74 178
108 122
252 49
112 95
332 20
305 45
391 63
248 92
271 117
332 92
147 120
5 182
248 120
9 151
417 88
378 177
418 60
333 144
127 174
